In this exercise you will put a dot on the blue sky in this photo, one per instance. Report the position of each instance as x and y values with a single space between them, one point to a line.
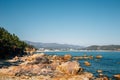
81 22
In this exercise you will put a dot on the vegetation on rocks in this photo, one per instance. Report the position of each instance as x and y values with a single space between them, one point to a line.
10 44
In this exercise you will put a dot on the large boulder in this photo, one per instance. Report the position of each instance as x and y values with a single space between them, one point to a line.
70 67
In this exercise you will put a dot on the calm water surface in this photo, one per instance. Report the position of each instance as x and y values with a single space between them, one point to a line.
110 63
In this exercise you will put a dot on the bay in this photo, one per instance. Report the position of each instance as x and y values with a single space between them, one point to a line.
109 64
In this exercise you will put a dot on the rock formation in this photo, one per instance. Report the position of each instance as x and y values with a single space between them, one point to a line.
46 67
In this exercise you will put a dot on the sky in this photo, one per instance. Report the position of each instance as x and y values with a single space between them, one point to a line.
79 22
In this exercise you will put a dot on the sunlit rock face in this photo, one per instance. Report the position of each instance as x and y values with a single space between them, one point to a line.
69 67
117 76
67 57
83 76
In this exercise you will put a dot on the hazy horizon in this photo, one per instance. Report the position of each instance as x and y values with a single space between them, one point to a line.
78 22
73 44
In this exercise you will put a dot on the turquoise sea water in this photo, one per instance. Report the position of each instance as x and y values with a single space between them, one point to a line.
110 63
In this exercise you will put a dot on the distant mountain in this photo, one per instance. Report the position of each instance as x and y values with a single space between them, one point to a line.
66 46
104 47
53 45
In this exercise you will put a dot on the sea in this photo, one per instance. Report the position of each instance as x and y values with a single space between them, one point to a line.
109 63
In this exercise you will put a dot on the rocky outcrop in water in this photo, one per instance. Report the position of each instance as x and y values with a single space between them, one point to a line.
99 56
87 63
87 57
117 76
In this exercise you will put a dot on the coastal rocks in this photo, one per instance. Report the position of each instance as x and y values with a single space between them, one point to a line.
55 57
99 56
38 55
117 76
16 58
102 78
83 57
54 64
83 76
11 71
88 75
35 59
77 77
30 70
69 67
86 57
67 57
59 59
64 58
99 71
91 57
87 63
29 51
42 60
78 57
32 57
48 67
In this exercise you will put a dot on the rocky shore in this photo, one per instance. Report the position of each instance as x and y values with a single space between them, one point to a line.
45 67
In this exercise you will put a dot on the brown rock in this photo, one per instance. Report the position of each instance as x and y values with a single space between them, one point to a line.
29 70
54 64
36 69
24 77
105 78
73 77
16 58
88 75
99 71
35 59
117 76
102 78
69 67
98 56
54 57
67 57
87 63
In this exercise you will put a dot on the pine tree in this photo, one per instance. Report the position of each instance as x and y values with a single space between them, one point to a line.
10 44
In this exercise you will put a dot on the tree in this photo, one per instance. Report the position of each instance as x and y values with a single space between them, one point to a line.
10 44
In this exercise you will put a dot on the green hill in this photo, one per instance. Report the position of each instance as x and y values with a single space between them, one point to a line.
104 47
10 44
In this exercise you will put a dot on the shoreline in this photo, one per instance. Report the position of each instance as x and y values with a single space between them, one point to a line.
79 51
46 67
